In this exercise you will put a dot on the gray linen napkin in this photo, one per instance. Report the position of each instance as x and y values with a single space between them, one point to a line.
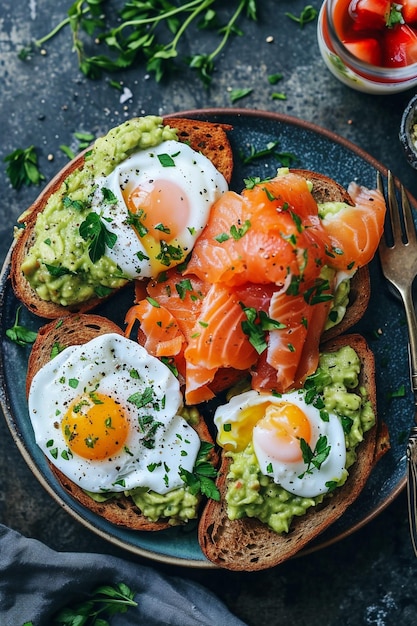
36 581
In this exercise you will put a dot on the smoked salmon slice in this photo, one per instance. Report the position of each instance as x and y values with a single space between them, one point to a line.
355 231
162 335
261 236
292 351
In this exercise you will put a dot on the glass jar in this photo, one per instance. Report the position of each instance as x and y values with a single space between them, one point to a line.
349 69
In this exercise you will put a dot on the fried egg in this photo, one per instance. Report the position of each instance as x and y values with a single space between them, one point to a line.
276 425
106 414
157 202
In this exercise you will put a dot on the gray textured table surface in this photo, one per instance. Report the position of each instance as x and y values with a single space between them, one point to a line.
369 577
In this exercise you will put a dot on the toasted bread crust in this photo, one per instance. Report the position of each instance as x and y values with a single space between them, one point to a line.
250 545
205 137
208 138
76 330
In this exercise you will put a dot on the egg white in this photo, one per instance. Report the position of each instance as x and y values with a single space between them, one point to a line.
105 365
201 185
291 475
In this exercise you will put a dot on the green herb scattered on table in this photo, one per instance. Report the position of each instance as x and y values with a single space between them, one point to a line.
22 168
238 94
148 32
308 14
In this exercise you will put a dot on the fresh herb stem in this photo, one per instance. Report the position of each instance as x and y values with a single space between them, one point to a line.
164 16
228 30
141 42
52 33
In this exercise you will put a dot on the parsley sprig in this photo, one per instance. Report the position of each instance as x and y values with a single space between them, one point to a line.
104 602
22 168
201 479
94 231
19 334
314 458
147 32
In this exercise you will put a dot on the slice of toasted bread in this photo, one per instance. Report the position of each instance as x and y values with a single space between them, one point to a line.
208 138
205 137
78 329
248 544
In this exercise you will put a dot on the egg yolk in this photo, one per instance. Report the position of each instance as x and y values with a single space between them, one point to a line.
237 434
279 432
163 209
95 426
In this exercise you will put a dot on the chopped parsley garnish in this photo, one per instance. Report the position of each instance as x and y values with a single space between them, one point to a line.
169 253
108 196
182 287
56 349
162 228
68 203
257 325
94 231
142 399
90 441
318 293
202 478
148 426
271 150
57 270
135 220
153 302
236 232
166 160
252 181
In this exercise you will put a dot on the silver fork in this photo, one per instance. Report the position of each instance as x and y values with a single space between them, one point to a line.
399 266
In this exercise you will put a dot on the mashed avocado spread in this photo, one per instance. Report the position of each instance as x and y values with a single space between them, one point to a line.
251 494
58 265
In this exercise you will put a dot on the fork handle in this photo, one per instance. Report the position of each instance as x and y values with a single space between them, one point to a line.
412 485
412 337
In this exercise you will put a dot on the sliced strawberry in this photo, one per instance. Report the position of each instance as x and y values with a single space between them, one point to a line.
409 11
369 14
400 46
367 50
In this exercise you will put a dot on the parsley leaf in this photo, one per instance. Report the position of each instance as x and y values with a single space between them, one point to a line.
19 334
22 168
93 230
256 327
271 150
106 600
314 457
238 94
202 478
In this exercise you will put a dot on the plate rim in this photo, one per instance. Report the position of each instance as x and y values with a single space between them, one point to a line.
211 112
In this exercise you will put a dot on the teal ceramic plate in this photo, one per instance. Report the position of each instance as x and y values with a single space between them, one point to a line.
383 326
